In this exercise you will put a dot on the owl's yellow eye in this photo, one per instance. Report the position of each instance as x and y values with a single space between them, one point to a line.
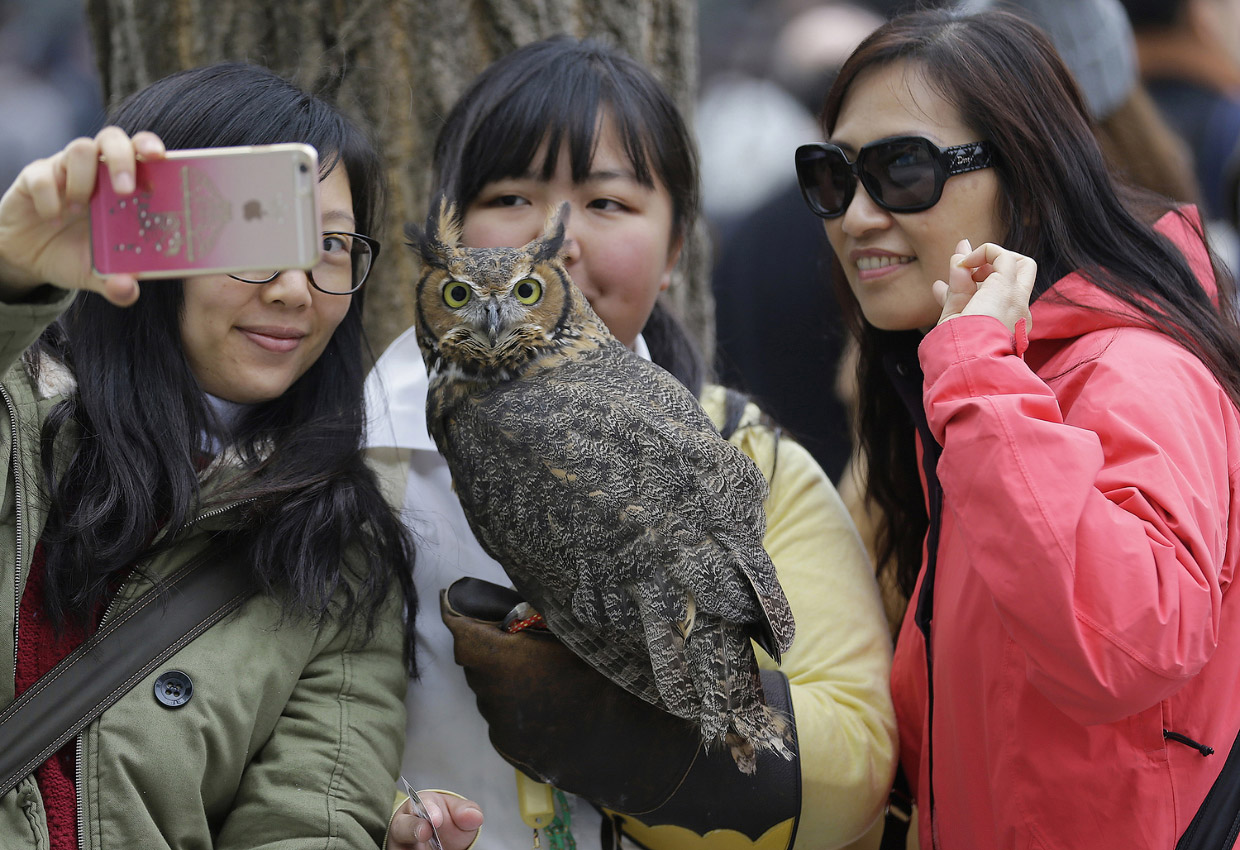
456 294
528 291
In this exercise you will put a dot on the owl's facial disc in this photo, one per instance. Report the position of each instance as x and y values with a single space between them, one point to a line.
500 315
505 315
506 318
493 319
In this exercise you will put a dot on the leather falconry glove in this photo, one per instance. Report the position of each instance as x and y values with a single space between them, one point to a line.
559 721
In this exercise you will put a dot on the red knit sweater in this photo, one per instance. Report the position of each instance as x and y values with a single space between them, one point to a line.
38 650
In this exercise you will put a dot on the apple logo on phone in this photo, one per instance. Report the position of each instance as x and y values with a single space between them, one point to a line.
252 210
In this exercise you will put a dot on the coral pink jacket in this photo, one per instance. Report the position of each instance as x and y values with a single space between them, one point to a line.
1090 532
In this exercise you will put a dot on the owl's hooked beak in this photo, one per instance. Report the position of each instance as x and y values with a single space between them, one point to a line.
493 320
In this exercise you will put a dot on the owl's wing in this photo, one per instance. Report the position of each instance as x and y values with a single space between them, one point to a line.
733 497
601 482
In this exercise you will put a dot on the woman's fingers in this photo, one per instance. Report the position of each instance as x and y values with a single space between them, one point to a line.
407 831
78 164
960 286
987 252
465 814
1003 283
1022 270
116 150
148 146
1014 277
38 181
955 294
120 289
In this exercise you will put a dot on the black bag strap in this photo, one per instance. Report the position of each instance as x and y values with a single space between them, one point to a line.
899 813
110 662
1217 822
734 403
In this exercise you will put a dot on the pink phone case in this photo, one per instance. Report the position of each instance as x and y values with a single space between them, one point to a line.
211 211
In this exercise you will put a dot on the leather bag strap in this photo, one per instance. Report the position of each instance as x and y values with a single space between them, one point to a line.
899 813
109 663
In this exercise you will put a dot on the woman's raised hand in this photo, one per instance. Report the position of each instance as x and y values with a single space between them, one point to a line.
988 280
44 226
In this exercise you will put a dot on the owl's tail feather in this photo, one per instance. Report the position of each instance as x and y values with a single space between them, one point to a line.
733 712
763 730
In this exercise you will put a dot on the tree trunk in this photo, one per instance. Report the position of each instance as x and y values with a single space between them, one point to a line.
397 66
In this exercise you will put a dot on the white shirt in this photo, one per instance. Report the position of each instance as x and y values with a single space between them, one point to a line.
446 743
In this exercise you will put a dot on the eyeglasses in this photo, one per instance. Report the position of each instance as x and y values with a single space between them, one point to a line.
344 262
905 174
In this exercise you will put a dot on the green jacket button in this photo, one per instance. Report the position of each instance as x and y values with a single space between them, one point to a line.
173 689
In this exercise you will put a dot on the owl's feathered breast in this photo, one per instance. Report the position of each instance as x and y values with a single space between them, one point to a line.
597 473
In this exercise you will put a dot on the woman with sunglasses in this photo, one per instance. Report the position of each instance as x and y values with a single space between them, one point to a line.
1050 355
211 419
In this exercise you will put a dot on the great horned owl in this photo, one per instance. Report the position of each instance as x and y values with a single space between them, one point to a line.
600 485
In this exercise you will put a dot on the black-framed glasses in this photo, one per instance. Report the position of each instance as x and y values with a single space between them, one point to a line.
344 263
903 174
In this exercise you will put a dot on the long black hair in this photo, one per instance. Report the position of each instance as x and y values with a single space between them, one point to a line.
1060 206
556 91
307 512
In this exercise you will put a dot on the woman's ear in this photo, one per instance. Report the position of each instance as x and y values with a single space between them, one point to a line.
673 257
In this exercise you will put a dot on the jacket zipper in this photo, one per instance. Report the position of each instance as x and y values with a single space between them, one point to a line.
78 751
19 501
79 747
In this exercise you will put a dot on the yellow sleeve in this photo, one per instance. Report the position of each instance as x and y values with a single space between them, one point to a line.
840 661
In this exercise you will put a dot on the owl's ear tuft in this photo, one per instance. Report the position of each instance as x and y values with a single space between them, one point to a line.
548 246
441 235
415 238
444 222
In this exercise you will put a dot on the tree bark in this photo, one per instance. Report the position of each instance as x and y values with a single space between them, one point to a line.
397 66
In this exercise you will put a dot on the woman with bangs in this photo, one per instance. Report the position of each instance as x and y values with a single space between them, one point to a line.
1048 378
559 121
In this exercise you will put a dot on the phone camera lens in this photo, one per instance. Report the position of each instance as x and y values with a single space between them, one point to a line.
303 168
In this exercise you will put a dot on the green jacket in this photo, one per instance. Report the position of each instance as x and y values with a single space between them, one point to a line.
292 736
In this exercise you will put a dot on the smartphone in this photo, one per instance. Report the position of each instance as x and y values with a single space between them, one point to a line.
211 211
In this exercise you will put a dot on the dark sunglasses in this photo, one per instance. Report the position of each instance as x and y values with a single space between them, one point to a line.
905 174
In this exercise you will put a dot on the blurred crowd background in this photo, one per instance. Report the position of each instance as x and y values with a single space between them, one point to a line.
1162 78
49 88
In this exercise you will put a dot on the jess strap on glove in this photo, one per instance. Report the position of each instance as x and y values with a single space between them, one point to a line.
560 721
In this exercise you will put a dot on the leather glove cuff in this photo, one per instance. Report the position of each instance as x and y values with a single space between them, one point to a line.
764 806
557 719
